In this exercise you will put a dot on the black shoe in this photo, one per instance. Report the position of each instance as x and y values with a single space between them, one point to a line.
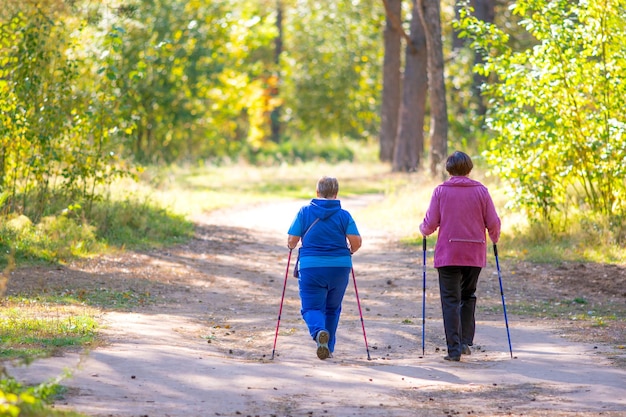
322 339
452 358
465 350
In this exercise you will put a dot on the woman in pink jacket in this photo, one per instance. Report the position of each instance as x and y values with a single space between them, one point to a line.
462 209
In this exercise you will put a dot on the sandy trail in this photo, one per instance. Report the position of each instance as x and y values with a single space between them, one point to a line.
204 348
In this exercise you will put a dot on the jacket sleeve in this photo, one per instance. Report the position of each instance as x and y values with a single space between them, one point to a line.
492 221
433 215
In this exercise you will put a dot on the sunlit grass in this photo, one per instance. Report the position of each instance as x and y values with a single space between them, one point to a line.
31 329
577 309
197 190
95 297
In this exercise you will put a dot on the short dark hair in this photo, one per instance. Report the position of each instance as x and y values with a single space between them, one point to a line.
328 187
459 164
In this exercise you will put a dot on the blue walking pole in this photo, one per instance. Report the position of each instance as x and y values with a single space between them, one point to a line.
423 294
506 321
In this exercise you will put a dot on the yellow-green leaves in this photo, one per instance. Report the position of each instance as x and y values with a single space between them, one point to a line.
558 108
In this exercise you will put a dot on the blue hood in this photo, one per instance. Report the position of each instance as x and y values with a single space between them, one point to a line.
323 209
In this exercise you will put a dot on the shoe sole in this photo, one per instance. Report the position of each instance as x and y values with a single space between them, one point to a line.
466 350
452 358
322 344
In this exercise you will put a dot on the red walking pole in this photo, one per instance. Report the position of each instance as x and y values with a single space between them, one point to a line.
361 314
280 311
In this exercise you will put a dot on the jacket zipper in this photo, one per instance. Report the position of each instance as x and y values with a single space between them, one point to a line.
467 240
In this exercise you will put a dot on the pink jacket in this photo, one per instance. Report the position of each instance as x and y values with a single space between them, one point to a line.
462 209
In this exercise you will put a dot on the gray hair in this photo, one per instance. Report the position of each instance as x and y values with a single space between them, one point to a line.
328 187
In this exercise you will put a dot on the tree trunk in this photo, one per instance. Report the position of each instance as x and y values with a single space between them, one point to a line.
275 114
410 140
430 13
390 107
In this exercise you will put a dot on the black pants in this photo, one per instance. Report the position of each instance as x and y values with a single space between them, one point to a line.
457 287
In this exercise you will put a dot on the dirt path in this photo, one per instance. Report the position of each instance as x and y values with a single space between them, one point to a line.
204 348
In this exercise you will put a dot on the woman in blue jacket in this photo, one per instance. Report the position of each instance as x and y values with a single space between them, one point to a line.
329 238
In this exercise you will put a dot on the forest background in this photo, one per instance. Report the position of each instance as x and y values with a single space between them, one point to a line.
98 95
534 90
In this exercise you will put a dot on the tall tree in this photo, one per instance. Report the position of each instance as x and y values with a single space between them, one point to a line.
430 15
390 106
410 140
275 92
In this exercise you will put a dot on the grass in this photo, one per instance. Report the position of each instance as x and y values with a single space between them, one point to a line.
603 320
576 309
38 325
132 222
31 328
193 191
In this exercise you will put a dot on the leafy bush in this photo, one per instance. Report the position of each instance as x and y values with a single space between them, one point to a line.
302 150
53 239
70 233
558 108
139 223
18 400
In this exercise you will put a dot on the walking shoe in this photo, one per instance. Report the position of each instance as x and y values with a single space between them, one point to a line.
452 358
465 350
322 339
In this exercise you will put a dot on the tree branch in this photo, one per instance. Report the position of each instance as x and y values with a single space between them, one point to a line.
397 25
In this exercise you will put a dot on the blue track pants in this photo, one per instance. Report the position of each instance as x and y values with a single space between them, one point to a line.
321 293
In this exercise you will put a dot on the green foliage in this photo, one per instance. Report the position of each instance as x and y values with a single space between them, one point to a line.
53 239
332 67
53 135
582 237
558 108
299 150
190 77
87 87
30 401
71 232
139 222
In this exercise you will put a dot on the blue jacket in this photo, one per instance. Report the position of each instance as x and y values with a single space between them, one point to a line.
324 244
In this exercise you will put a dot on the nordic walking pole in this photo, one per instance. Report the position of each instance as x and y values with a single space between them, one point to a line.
424 295
280 311
506 321
361 314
